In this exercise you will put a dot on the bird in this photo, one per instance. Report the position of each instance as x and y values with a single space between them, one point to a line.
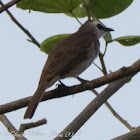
69 58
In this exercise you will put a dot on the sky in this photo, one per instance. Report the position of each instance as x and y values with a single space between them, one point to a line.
22 62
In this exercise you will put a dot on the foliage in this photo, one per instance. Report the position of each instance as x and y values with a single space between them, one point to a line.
108 8
76 8
49 6
128 40
50 42
97 9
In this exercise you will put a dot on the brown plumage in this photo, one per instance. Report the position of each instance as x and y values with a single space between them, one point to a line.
68 58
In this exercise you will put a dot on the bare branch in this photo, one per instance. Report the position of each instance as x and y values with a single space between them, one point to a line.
12 130
133 135
27 126
57 93
115 114
8 5
91 108
21 27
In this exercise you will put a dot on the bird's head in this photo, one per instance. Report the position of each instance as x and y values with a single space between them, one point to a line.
101 29
95 27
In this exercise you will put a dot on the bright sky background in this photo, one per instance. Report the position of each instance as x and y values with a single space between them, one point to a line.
21 64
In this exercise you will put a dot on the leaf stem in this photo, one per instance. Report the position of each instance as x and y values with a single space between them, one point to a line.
87 7
76 18
105 49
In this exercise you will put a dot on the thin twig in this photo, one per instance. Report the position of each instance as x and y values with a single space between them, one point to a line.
98 67
116 115
125 123
75 17
11 129
101 56
21 27
8 5
133 135
91 108
27 126
102 63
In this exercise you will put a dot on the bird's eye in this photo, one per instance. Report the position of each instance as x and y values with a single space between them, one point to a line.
100 26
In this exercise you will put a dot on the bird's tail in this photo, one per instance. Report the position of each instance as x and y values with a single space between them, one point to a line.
34 103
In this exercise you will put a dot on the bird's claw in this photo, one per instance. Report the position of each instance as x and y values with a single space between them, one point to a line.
61 85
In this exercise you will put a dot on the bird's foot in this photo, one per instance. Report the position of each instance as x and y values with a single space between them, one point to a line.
61 85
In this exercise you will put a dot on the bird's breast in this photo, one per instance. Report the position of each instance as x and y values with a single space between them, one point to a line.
83 60
91 55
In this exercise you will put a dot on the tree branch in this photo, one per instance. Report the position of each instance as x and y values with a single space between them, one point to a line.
27 126
57 93
21 27
133 135
8 5
91 108
11 129
115 114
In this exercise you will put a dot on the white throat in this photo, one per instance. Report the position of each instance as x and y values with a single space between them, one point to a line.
100 33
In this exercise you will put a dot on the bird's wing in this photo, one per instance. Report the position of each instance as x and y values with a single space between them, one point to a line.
63 54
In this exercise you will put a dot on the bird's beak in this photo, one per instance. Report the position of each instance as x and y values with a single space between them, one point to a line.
108 29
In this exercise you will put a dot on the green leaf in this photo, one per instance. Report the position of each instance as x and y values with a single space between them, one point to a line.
108 8
50 42
49 6
78 12
128 40
107 37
